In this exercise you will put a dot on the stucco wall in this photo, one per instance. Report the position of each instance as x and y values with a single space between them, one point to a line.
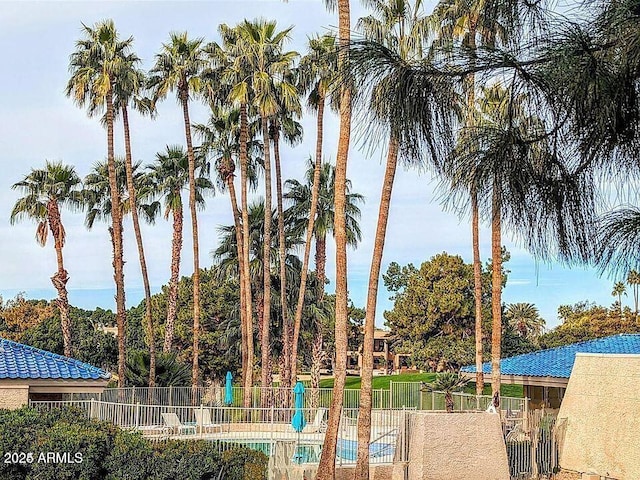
445 446
600 415
14 397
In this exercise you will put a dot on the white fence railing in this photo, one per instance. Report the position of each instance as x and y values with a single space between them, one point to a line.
399 395
258 428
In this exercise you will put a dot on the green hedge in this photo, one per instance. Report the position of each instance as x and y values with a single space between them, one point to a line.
56 439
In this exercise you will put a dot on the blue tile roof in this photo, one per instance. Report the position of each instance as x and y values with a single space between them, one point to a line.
22 361
558 362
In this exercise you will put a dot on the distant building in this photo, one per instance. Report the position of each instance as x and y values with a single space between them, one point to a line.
28 373
544 374
385 360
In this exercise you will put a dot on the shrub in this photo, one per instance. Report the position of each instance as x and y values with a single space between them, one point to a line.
111 453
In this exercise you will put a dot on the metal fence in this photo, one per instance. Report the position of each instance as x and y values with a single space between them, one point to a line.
399 395
258 428
531 438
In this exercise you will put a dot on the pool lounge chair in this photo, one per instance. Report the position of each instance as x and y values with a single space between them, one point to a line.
176 426
319 425
204 423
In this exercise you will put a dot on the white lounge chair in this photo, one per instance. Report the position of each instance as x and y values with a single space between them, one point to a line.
204 423
319 424
176 426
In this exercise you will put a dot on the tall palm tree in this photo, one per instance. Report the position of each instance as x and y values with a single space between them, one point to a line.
178 67
633 280
619 289
221 144
46 191
95 67
502 163
168 176
327 466
401 27
300 196
317 78
237 75
525 319
466 24
127 91
285 123
272 94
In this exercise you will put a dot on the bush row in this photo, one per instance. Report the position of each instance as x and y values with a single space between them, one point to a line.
62 444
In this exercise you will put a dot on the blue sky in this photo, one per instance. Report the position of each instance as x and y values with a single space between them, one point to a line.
39 123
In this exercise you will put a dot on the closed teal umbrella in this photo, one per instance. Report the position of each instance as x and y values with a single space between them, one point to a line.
228 389
298 422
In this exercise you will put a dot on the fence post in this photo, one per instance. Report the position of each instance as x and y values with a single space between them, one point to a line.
170 395
433 400
391 394
133 393
137 415
201 419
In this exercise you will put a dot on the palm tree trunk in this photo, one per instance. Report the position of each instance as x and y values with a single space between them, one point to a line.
237 220
315 189
266 259
286 379
364 413
194 232
118 257
496 296
247 369
172 297
477 290
327 466
61 277
143 264
316 363
321 261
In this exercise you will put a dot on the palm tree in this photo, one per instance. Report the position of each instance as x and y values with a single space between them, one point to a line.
46 190
95 67
127 88
168 176
326 468
448 383
238 77
317 78
178 67
300 197
262 47
465 23
401 27
633 280
619 289
525 319
221 141
292 130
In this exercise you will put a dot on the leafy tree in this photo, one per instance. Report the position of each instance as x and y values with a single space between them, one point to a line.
46 190
586 321
91 346
18 315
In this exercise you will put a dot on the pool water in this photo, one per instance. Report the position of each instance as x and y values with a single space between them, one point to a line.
348 449
303 453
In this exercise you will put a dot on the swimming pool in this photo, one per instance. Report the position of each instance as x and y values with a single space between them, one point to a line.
348 449
304 452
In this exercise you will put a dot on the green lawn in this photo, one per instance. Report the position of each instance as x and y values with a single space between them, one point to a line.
382 382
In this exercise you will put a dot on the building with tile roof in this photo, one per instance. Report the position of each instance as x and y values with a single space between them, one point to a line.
545 373
28 373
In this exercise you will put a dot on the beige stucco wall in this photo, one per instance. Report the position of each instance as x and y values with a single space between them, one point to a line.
600 415
14 397
446 446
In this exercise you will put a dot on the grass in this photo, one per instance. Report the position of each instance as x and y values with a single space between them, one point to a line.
382 382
